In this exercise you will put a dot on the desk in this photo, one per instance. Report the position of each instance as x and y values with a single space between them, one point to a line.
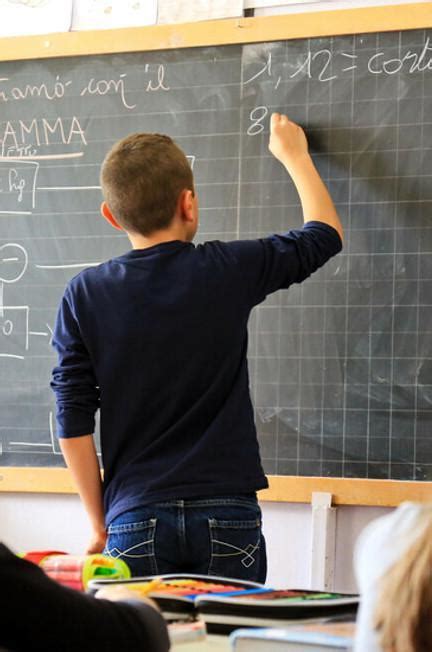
212 643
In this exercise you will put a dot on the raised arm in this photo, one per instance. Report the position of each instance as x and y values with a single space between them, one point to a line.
289 145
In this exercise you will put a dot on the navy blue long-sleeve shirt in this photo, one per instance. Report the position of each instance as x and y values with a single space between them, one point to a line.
157 339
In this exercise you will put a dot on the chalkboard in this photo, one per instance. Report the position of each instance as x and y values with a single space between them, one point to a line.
340 366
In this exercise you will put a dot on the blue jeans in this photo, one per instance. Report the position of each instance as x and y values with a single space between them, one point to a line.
206 536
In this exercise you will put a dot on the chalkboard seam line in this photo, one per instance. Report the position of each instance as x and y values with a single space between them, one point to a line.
41 156
24 443
295 204
38 213
327 178
15 451
23 427
15 212
69 188
9 355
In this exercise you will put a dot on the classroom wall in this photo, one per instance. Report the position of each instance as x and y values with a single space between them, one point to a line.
40 522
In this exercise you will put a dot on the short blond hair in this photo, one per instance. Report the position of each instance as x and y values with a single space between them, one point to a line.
142 177
403 617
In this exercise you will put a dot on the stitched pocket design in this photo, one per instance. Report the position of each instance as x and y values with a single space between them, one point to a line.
235 548
135 544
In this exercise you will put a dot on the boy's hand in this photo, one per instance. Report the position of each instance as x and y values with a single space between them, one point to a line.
97 542
289 145
287 141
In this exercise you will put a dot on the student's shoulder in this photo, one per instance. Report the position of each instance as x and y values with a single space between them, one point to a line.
396 522
91 274
5 552
384 539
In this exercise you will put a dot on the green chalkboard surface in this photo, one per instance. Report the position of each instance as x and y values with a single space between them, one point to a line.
340 366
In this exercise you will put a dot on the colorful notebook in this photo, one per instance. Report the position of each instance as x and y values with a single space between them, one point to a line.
273 608
177 594
225 604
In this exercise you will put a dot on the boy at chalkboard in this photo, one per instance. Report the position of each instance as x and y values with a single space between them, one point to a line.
157 340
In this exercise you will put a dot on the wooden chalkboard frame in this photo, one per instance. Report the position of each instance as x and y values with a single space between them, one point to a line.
345 491
289 489
219 32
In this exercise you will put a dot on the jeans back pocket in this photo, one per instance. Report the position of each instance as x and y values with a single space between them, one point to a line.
135 544
235 548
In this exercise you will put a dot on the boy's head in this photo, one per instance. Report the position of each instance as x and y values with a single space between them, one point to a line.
142 178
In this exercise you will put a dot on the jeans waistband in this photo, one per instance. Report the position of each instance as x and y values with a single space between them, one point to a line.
209 500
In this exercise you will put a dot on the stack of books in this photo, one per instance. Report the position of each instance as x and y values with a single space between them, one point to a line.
225 604
324 637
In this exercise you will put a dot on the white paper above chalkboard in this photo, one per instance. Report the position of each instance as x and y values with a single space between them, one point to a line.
27 17
110 14
182 11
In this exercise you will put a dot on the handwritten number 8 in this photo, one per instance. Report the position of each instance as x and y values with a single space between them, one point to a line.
257 116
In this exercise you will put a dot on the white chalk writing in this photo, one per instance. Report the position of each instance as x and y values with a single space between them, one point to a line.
257 117
22 137
16 183
410 62
154 79
105 86
326 65
160 79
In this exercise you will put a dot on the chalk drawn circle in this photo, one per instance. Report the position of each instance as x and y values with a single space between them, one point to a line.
13 262
7 327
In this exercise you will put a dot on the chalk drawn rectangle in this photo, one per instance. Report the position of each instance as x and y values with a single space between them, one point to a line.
14 329
17 186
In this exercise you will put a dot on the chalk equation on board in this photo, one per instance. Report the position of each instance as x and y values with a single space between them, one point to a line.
326 65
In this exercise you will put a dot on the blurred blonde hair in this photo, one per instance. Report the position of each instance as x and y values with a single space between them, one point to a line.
403 617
